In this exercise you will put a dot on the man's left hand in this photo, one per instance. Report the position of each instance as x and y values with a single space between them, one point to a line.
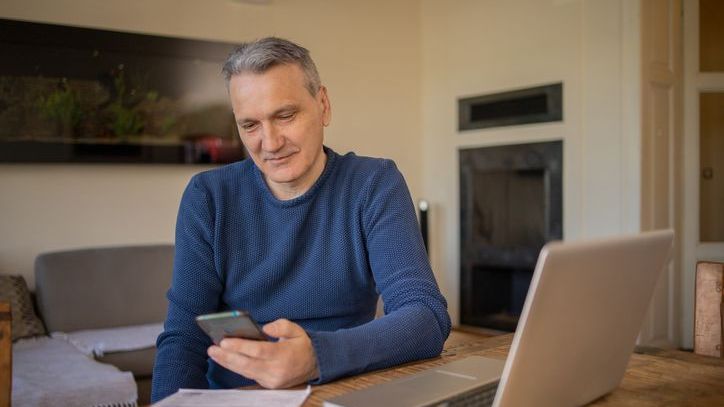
273 365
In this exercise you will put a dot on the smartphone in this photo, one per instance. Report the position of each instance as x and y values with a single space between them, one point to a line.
231 324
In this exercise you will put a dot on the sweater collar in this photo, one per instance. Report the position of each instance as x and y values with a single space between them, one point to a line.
328 166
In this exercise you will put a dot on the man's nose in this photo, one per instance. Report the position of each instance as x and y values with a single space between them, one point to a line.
272 139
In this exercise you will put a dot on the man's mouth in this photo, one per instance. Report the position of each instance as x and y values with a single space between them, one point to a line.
279 158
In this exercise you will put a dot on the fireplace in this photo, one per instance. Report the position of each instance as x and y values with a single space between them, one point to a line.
510 206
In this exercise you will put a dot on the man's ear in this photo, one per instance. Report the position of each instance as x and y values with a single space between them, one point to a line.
326 106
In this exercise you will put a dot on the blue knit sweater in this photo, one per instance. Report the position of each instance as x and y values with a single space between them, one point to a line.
320 260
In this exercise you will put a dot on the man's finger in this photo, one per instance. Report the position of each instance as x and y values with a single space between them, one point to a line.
236 362
283 328
248 347
230 360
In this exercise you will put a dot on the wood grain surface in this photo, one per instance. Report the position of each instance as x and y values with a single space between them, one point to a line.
654 377
6 354
708 306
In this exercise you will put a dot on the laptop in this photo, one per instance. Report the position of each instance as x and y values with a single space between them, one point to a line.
578 328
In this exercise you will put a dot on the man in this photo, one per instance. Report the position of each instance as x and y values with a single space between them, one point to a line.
302 238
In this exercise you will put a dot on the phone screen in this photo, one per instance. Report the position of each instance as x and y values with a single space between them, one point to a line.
230 324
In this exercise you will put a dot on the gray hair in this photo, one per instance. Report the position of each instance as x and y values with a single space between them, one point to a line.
261 55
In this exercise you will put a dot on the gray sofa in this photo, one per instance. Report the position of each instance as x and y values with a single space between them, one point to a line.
101 288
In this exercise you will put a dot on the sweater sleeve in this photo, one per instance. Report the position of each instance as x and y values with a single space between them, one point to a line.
416 323
181 359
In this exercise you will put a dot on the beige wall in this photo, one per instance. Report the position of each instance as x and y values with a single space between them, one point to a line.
55 207
368 55
472 47
395 70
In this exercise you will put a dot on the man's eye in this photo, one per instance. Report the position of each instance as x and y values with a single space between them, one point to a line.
248 126
286 116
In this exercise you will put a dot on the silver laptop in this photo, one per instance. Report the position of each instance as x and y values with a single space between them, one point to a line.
578 328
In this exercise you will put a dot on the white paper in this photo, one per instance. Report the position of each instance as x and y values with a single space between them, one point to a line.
235 398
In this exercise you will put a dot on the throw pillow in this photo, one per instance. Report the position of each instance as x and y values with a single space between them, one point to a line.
14 290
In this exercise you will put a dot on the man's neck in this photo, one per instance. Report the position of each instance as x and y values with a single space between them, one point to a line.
296 188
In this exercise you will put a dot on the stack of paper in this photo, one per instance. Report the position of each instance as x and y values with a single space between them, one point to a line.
235 398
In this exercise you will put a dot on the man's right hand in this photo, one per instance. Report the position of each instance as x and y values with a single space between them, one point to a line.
274 365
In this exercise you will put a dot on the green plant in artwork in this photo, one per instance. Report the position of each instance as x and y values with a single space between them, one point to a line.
125 120
63 106
167 124
126 116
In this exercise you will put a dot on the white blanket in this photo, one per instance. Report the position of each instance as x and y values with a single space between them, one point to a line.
52 372
100 341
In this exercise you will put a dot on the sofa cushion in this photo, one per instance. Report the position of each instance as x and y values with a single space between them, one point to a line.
96 342
131 348
139 362
25 323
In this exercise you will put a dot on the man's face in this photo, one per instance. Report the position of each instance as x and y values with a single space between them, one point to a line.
281 125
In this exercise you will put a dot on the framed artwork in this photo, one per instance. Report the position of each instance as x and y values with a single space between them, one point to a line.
82 95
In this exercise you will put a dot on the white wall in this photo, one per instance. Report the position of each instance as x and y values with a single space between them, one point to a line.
472 47
368 56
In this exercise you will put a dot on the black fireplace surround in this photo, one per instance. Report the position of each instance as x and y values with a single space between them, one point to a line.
510 206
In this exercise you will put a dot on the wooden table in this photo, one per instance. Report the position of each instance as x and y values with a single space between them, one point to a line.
654 377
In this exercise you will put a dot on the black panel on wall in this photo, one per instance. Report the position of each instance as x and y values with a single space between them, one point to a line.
530 105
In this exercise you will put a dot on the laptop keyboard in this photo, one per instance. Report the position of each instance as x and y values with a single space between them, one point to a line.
481 397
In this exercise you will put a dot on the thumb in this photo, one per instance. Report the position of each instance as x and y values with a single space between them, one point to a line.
283 328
